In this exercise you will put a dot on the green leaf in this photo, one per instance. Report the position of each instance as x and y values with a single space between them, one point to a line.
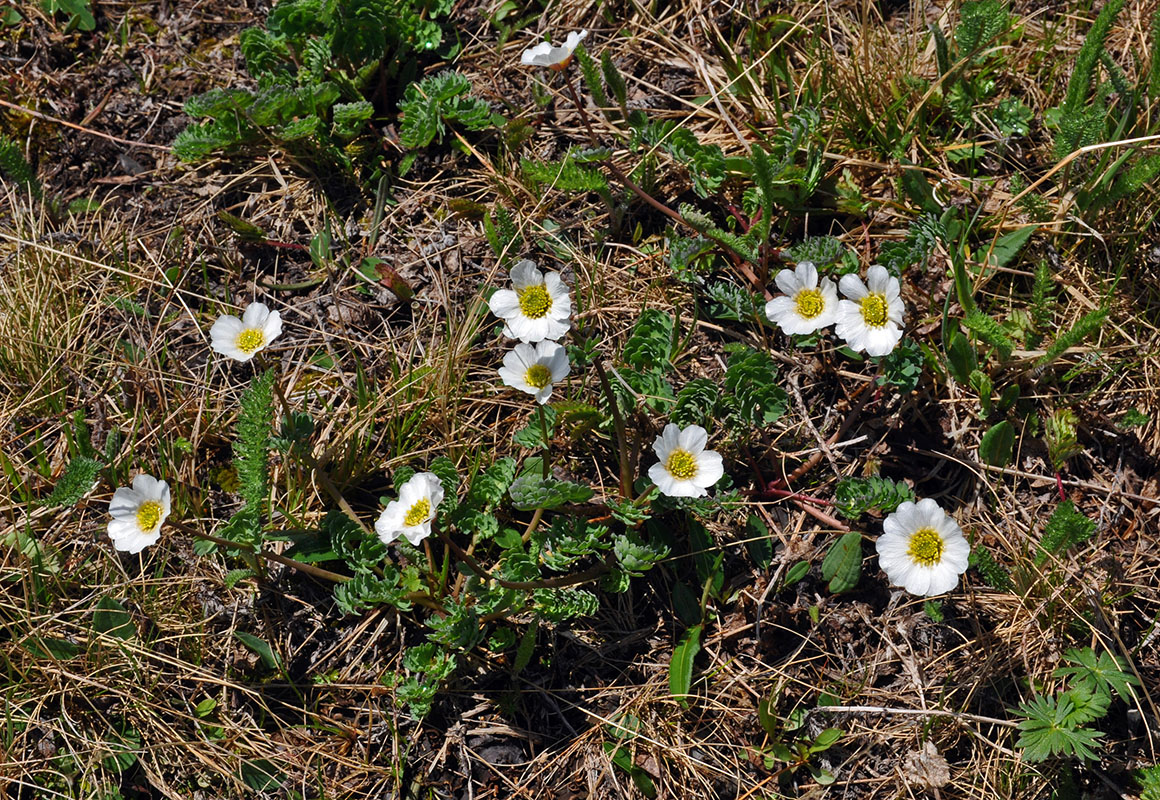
1047 731
530 492
78 479
795 574
842 565
261 775
681 664
1066 529
51 647
1100 674
111 619
855 496
997 444
960 356
758 542
269 657
651 345
825 740
532 435
990 331
1008 245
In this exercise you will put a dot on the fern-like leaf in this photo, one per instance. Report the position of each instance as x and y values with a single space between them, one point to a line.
251 448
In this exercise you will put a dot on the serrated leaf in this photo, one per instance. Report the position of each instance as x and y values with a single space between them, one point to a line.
681 664
842 565
77 480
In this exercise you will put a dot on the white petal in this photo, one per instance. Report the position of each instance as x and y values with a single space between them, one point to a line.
693 439
125 503
779 307
574 39
878 279
272 327
787 280
417 533
852 286
504 303
122 529
390 522
557 362
710 468
663 480
666 443
918 581
942 579
525 274
255 315
882 341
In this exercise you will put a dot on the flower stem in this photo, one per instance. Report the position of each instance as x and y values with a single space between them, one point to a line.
308 569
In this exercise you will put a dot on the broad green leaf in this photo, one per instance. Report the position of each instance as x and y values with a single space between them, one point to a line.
842 566
997 443
111 618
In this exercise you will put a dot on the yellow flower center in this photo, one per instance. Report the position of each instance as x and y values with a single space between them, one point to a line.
148 515
875 311
535 301
681 465
926 547
809 303
538 376
418 513
250 340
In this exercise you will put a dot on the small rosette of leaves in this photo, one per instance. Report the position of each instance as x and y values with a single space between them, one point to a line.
530 492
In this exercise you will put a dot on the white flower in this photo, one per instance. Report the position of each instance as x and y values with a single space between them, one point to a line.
556 57
686 468
538 308
410 516
806 306
871 319
533 369
922 549
241 338
138 513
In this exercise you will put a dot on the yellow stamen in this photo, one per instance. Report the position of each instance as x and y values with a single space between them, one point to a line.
418 513
682 465
809 303
875 310
538 376
926 547
535 301
149 515
250 340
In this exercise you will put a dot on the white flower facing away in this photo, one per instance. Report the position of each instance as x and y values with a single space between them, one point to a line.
922 549
534 368
686 468
538 306
138 513
241 339
871 319
410 516
557 57
806 306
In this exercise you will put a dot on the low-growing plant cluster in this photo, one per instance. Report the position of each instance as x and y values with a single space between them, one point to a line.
691 406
